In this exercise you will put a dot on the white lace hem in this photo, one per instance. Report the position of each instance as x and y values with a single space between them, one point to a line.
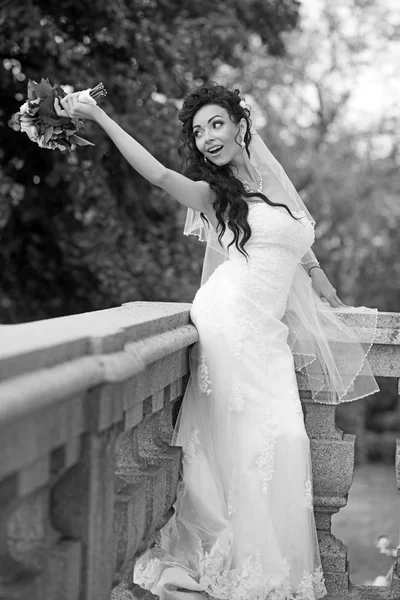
247 583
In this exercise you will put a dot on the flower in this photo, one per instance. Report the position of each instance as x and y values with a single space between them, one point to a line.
41 142
33 133
242 103
25 122
38 119
27 125
24 108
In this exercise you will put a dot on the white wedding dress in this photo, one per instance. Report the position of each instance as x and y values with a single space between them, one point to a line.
243 527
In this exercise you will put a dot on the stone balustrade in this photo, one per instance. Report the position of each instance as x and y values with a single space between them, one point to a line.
87 476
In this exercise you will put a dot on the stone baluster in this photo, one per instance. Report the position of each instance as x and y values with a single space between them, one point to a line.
332 453
83 509
37 561
147 469
395 584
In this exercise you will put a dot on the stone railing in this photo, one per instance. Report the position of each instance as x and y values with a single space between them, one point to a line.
87 476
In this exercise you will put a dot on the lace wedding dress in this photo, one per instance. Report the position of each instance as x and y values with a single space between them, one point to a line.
243 527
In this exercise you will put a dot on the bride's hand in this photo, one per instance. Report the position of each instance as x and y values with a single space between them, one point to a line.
70 107
324 288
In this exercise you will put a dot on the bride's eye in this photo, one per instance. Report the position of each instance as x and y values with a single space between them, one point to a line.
197 133
218 123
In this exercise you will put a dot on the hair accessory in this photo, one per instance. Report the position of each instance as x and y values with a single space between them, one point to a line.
242 103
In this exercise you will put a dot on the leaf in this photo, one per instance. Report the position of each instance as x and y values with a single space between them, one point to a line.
46 86
31 90
80 141
46 108
39 92
164 61
57 121
43 89
48 133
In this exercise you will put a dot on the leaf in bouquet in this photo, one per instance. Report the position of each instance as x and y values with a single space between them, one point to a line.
46 108
80 141
31 90
48 133
56 121
43 89
39 92
46 86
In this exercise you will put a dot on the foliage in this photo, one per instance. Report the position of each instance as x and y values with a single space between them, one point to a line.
85 231
344 162
338 138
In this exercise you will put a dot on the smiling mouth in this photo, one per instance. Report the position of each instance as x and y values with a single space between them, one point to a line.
215 150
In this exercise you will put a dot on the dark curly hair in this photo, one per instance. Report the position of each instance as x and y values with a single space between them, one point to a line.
229 190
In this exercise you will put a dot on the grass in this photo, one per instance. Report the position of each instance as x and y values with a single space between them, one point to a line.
373 509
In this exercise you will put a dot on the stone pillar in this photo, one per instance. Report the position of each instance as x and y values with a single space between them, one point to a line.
147 472
332 454
395 586
83 509
37 561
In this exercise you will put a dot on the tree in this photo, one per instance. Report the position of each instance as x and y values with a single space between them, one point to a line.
343 162
84 231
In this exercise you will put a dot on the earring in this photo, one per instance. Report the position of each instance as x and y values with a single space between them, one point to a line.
205 159
242 143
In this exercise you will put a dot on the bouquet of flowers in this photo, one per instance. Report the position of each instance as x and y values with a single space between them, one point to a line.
38 119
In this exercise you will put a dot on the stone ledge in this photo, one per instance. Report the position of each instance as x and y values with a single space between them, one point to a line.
33 346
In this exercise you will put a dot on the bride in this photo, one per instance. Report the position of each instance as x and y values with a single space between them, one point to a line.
243 526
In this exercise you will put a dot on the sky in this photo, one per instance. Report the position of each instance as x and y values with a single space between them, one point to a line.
376 89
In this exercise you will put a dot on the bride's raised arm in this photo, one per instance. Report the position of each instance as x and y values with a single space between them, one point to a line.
193 194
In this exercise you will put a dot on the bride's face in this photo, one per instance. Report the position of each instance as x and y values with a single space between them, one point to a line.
216 135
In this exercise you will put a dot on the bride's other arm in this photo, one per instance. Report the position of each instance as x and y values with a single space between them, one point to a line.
320 281
194 194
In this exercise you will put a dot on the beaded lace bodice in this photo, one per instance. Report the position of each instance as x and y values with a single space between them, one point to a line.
275 234
275 248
